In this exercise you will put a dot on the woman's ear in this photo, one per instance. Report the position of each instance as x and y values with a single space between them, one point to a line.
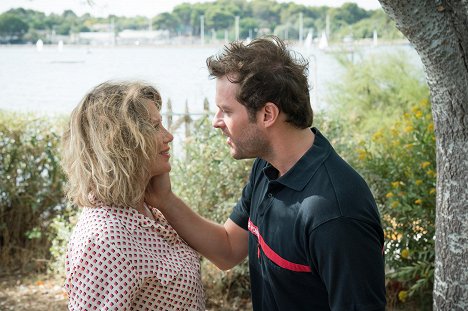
270 114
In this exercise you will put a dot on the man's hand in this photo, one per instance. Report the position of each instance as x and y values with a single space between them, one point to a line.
158 191
225 246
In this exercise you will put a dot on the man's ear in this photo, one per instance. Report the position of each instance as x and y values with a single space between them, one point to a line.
270 114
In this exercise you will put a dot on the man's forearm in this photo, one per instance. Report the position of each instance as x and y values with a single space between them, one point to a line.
225 248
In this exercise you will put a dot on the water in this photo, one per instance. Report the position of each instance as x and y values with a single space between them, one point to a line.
53 82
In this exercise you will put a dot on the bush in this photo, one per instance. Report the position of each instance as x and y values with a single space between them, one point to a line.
211 182
382 125
60 231
374 91
399 162
30 189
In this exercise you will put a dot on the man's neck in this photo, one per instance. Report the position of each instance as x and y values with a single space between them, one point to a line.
288 146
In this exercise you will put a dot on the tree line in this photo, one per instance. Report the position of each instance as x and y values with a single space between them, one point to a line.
256 17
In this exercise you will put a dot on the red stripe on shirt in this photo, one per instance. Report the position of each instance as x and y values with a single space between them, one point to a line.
277 259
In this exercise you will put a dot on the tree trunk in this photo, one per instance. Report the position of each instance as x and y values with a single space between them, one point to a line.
438 30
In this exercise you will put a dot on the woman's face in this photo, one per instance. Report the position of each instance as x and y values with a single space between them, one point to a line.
162 137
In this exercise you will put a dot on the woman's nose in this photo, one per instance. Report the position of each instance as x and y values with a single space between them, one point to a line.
168 137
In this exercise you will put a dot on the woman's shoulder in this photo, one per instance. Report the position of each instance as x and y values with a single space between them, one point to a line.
96 223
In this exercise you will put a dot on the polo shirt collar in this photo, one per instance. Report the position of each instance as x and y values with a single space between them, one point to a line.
300 174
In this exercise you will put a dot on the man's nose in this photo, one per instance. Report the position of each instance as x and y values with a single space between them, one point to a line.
217 121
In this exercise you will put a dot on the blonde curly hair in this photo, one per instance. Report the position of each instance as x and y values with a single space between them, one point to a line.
108 143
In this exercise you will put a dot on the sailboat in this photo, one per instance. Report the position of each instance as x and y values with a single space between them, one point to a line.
323 43
308 42
375 38
39 45
60 46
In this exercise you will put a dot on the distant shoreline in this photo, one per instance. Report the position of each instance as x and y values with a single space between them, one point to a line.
356 43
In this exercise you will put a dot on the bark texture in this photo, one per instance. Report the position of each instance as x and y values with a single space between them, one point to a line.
438 30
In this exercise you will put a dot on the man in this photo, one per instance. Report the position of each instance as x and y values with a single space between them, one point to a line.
307 220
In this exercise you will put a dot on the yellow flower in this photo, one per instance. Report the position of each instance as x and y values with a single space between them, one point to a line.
389 195
404 253
430 127
418 114
431 173
424 102
377 135
409 146
391 235
418 202
403 295
408 129
362 154
395 184
432 191
418 182
425 164
394 204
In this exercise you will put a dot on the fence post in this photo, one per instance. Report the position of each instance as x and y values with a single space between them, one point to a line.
169 114
187 120
206 106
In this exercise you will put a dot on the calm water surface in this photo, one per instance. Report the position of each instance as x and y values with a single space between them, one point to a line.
52 82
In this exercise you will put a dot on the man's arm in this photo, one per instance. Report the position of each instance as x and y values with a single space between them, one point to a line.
224 245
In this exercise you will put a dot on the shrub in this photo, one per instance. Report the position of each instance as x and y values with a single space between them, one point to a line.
399 162
382 124
374 91
30 189
60 231
211 182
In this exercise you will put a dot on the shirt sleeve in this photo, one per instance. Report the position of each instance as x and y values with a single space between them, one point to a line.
101 278
240 213
347 254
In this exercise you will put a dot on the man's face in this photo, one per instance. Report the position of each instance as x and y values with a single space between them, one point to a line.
244 137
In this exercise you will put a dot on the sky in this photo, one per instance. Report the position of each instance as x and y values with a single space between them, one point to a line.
147 8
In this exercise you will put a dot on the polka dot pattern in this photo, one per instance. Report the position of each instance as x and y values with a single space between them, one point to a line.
118 259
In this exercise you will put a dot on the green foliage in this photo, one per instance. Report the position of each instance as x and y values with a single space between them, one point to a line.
12 28
30 188
375 90
40 24
166 21
383 109
200 177
256 17
349 13
211 182
399 161
364 28
60 231
217 18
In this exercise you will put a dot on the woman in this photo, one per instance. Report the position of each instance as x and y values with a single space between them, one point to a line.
123 254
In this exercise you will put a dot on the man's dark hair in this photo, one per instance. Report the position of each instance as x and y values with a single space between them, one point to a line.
266 71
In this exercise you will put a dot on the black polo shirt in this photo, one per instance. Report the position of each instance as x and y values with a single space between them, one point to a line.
315 239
